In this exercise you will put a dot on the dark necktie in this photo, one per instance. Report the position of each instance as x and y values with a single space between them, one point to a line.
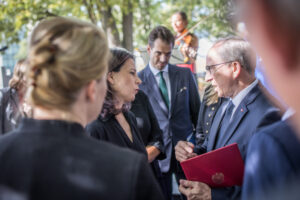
224 124
163 88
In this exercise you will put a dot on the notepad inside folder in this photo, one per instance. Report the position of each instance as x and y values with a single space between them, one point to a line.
223 167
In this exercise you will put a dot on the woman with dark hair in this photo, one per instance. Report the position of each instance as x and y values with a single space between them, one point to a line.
116 124
11 99
51 156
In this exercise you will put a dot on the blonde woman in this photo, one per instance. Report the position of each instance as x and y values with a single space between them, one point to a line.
50 156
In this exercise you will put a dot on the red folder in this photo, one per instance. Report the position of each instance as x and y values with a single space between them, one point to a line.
223 167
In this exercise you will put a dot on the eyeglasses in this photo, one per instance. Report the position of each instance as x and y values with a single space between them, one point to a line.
210 68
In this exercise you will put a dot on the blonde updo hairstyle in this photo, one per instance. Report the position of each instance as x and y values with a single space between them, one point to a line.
64 55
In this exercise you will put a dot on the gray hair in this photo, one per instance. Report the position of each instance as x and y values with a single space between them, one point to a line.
236 49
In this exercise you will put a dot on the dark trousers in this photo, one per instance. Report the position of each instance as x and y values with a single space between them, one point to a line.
166 183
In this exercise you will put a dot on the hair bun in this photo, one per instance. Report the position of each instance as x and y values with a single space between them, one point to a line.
43 55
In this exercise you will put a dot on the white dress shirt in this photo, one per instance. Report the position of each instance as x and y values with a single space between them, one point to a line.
165 71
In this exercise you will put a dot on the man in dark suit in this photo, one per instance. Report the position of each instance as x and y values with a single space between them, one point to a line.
173 94
274 28
230 68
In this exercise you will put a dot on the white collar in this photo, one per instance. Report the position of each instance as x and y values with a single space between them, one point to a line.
155 71
242 94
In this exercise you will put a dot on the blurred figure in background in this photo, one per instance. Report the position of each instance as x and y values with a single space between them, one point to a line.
273 161
13 106
208 109
51 156
185 41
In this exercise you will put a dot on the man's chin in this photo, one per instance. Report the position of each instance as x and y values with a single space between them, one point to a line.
220 94
160 67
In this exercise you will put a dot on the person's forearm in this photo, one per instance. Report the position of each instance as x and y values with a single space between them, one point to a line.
152 152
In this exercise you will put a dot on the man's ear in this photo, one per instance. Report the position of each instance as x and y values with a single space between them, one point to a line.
90 91
148 49
236 68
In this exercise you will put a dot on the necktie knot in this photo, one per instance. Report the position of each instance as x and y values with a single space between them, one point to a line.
161 74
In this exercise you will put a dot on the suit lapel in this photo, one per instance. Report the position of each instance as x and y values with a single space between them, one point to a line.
153 89
173 77
240 113
237 117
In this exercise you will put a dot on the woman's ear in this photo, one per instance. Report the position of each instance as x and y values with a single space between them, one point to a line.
90 91
111 77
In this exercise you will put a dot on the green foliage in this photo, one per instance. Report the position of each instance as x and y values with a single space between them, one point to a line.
17 17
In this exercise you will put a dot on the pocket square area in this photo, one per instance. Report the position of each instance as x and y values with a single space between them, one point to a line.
182 89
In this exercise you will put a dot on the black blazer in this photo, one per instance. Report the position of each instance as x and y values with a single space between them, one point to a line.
108 129
147 122
49 159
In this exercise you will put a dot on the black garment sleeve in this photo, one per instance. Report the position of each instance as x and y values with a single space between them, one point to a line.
96 130
146 188
155 132
148 126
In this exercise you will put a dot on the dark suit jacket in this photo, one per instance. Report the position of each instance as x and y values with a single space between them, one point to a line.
147 123
254 112
49 159
178 122
273 163
108 129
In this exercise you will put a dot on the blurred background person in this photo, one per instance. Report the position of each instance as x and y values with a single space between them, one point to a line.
185 41
116 124
208 109
273 162
12 99
51 156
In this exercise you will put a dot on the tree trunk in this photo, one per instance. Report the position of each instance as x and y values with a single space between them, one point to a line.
89 7
127 27
108 23
147 16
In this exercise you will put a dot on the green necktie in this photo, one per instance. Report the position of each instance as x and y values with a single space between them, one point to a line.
163 88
